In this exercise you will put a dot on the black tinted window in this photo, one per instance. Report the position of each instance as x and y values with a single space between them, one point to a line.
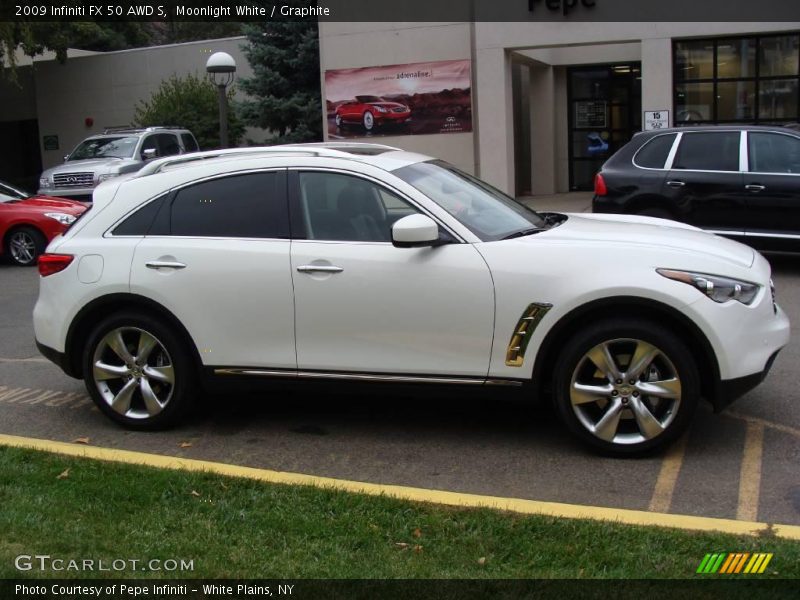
653 155
188 142
139 222
168 144
773 153
708 151
246 206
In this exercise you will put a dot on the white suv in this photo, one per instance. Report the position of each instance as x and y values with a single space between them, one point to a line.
357 262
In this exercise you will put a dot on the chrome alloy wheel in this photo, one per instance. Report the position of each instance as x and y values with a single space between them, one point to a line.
133 372
22 247
369 121
625 391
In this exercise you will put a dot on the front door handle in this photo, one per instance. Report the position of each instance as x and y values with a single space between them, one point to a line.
164 264
675 183
755 187
319 269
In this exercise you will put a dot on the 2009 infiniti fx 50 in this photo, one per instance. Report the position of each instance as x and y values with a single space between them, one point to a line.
366 263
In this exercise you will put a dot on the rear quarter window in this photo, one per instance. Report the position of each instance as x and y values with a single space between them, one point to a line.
653 155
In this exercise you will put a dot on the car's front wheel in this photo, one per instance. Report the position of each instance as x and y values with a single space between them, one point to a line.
338 120
24 245
138 371
369 121
626 386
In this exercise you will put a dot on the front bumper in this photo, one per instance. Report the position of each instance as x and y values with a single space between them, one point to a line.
731 389
83 193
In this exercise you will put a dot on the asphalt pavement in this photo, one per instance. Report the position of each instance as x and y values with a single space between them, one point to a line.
740 464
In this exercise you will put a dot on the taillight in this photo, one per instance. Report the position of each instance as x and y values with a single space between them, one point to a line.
600 188
53 263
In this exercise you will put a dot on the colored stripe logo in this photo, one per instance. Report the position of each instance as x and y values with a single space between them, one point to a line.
734 563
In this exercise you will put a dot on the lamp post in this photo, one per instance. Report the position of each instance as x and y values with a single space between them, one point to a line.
221 69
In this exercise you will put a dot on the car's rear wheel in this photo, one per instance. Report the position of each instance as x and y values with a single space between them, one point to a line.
138 371
369 121
24 245
626 386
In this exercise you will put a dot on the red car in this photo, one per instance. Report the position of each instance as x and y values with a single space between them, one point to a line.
371 111
28 223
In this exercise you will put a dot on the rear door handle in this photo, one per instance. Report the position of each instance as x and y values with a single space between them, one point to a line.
164 264
675 183
319 269
755 187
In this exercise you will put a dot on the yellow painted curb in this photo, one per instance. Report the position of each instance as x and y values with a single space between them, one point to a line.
531 507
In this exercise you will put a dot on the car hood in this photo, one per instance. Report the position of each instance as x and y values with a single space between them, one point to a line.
95 165
49 204
646 232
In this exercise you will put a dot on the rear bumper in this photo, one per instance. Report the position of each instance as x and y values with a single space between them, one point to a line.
58 358
729 390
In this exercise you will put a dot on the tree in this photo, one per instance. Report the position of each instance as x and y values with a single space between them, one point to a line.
190 102
284 91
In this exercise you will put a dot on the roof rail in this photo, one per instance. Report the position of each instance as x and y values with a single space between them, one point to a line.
129 129
354 147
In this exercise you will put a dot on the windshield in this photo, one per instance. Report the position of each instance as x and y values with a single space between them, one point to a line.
8 192
107 147
365 99
484 210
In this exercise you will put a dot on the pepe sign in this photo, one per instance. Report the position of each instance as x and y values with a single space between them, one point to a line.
563 6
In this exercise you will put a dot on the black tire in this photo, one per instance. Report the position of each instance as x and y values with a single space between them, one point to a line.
582 408
174 398
660 213
23 246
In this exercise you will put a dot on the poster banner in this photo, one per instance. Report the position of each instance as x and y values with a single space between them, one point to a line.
410 99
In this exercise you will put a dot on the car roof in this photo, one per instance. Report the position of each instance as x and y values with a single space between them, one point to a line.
384 157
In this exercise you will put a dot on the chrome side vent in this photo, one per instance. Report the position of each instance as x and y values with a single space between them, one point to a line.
530 319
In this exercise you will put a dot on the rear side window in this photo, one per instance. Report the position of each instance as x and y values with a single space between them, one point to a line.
189 142
242 206
653 155
708 151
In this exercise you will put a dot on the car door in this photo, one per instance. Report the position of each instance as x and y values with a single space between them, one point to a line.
363 305
704 182
217 256
772 187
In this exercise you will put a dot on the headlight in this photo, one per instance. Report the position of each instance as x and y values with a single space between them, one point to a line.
719 289
44 182
103 176
380 109
62 218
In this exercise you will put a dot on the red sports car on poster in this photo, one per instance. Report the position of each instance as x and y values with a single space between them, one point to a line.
28 223
371 111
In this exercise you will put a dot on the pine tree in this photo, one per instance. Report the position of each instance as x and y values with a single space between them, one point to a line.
284 91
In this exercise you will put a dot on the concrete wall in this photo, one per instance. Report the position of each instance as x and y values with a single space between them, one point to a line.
353 45
107 87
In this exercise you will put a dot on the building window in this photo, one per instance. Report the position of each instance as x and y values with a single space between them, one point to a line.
737 80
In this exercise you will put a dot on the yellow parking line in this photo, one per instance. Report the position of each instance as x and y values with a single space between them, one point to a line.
668 477
533 507
750 474
794 431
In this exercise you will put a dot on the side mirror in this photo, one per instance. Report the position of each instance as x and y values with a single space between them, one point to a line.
415 231
66 157
148 153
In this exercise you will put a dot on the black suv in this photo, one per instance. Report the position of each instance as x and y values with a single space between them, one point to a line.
742 182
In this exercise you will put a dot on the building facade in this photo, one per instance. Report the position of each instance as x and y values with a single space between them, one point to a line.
550 101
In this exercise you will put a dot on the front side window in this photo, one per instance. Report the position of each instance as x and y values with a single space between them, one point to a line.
189 142
773 153
339 207
484 210
708 151
167 144
240 206
108 147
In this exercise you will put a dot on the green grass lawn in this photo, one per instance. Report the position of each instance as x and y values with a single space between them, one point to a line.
78 509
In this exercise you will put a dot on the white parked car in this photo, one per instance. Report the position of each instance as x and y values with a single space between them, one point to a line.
362 262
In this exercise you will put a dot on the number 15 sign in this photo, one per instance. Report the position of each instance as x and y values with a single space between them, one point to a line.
656 119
